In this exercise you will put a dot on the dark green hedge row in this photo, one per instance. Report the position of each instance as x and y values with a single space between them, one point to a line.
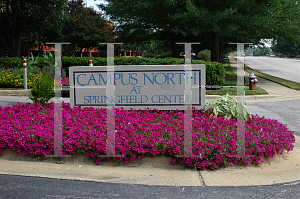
215 72
10 62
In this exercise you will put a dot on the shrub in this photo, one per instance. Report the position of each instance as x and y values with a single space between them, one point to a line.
11 62
204 55
227 107
215 72
42 90
146 55
164 55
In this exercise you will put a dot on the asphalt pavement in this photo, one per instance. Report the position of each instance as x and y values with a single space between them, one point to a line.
284 68
38 188
282 104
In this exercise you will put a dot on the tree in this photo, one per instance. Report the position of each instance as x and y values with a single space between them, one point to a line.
18 18
146 20
85 28
201 20
244 21
286 47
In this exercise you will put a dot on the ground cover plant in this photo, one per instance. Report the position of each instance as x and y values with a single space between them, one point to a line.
14 77
141 133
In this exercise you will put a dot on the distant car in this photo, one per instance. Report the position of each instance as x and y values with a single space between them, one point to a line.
267 54
272 55
193 55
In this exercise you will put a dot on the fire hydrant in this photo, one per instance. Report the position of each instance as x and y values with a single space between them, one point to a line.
252 81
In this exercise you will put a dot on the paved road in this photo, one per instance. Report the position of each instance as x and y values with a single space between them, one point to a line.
279 67
286 112
30 187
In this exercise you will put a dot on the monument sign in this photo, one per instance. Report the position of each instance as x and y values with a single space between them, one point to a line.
140 86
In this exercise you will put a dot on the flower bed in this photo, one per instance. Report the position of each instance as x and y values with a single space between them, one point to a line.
28 128
65 82
14 78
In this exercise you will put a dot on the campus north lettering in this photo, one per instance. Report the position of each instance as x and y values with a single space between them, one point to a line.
131 78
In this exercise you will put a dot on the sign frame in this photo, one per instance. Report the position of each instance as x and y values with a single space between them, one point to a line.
142 68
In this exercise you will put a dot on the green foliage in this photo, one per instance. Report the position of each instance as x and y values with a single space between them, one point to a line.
10 62
287 48
204 55
148 55
261 51
164 55
81 61
229 21
42 90
215 72
14 78
30 21
227 107
84 27
136 25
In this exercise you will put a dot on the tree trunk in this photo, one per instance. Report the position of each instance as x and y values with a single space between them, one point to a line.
221 55
215 46
18 45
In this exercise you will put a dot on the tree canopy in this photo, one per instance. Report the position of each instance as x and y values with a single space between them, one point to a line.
211 22
84 27
33 22
287 47
19 18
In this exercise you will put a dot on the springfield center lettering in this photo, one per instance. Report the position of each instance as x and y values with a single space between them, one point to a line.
136 99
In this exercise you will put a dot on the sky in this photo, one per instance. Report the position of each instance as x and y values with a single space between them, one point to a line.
93 3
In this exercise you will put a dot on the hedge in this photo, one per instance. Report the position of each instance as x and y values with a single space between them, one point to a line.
10 62
215 72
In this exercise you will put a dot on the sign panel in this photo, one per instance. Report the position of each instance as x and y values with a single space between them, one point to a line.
138 87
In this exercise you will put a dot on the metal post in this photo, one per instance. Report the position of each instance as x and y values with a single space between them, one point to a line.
188 112
90 62
110 91
25 73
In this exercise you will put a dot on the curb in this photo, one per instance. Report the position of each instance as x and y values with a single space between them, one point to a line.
23 93
18 93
